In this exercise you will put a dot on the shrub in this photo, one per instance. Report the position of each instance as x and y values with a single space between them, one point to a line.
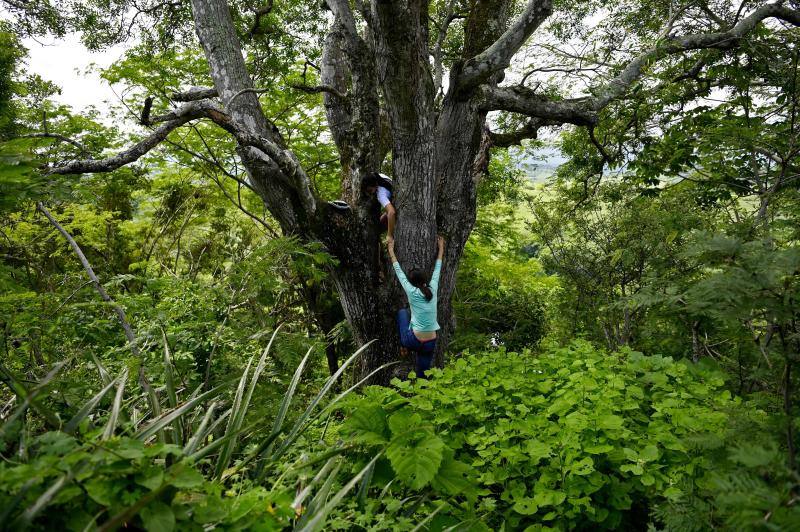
575 438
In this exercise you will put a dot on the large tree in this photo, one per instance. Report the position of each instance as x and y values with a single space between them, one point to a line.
414 81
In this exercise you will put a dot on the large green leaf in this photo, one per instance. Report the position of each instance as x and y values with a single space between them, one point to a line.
454 477
416 456
368 425
158 517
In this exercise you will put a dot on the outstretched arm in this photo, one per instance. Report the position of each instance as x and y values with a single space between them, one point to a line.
438 268
391 215
401 276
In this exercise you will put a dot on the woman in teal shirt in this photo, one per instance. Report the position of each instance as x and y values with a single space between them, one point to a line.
418 328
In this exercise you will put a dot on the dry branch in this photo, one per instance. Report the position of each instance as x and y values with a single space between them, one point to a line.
118 310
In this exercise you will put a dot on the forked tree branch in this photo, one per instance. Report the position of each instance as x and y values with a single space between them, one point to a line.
498 56
583 111
260 12
286 161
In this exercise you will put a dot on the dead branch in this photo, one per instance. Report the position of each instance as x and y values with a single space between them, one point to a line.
118 310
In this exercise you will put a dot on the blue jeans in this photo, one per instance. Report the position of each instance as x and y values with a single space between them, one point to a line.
424 350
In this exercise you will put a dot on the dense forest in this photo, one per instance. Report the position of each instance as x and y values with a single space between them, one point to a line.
198 297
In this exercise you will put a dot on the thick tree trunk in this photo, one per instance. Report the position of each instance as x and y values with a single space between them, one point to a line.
361 282
433 160
459 137
434 170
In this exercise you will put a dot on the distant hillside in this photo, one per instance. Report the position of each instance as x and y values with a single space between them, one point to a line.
539 164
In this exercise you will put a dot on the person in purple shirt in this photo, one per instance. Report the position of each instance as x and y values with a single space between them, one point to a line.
381 186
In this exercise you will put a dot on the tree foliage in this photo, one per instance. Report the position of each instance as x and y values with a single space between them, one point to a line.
669 237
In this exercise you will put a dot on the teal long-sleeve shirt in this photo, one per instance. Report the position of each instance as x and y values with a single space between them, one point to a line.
423 312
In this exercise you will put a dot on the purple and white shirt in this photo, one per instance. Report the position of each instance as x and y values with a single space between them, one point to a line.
384 196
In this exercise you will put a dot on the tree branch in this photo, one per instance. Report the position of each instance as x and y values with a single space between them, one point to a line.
287 163
769 154
606 158
120 312
242 208
194 94
320 88
713 16
58 137
693 72
583 111
173 120
528 102
348 65
529 131
450 16
498 56
245 91
719 40
260 12
364 8
254 132
341 11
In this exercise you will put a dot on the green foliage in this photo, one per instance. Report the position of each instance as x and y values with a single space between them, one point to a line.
503 292
573 438
166 470
569 438
758 492
11 53
751 488
20 179
609 249
504 181
749 280
155 487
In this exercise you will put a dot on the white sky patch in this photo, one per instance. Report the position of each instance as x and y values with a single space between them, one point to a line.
68 64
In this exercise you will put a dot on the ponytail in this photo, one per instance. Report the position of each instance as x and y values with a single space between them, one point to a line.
426 291
420 280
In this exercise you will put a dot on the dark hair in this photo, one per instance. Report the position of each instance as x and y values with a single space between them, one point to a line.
374 179
420 279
